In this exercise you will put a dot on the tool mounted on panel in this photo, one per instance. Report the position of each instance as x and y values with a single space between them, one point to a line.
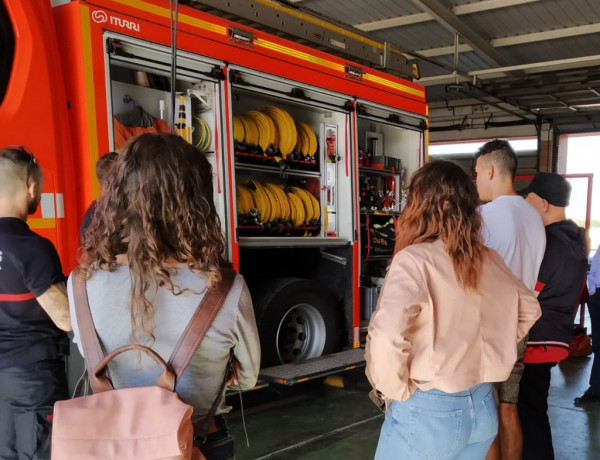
181 129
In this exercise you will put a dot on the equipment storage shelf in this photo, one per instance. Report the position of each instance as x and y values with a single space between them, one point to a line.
290 161
379 171
389 141
275 170
380 213
390 149
139 98
379 191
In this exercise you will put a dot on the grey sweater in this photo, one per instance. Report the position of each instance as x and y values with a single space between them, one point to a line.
233 328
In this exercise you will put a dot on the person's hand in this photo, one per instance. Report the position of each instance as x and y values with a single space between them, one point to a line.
233 377
591 293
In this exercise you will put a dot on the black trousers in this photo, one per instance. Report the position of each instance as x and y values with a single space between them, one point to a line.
27 397
533 412
218 445
594 309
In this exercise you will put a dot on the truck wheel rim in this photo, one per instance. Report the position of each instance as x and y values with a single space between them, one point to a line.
301 334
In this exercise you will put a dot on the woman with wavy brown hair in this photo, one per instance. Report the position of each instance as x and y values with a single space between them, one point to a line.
153 249
447 324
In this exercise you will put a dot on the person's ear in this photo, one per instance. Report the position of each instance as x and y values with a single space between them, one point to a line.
545 205
32 188
491 171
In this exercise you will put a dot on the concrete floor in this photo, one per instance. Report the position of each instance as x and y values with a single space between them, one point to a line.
326 423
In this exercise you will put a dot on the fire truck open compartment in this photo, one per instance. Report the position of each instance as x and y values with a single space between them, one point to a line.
326 174
390 144
284 127
139 76
301 289
299 272
300 276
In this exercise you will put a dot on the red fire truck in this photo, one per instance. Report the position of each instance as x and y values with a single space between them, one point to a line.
309 151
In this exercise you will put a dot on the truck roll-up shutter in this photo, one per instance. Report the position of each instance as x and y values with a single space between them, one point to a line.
390 116
270 85
140 55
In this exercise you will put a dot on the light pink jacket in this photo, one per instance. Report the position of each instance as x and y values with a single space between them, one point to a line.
428 332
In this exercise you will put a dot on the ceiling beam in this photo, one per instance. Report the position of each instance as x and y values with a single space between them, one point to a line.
531 68
448 20
574 91
443 79
455 104
478 7
545 66
519 39
511 109
537 88
398 21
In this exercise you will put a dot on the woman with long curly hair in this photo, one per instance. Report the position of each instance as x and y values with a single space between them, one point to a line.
447 324
153 249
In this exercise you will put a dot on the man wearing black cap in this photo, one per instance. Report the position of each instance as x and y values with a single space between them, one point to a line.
560 281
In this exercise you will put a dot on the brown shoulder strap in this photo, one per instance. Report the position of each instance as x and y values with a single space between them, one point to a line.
201 428
201 320
186 346
194 333
92 351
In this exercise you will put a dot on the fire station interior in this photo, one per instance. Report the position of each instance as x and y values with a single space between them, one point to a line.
519 69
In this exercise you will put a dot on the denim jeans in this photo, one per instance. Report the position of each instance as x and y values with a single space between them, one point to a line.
434 425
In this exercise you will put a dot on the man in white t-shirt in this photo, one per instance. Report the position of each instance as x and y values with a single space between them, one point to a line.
513 228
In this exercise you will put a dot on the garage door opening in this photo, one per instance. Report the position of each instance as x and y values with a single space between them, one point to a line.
463 153
580 154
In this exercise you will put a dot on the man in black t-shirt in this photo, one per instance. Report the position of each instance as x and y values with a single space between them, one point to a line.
34 312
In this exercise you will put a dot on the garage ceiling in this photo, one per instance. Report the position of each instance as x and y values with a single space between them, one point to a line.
483 62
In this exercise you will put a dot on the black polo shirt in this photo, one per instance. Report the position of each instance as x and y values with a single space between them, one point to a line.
29 265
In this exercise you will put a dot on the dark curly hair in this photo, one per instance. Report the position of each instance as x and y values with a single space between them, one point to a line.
442 204
103 166
156 209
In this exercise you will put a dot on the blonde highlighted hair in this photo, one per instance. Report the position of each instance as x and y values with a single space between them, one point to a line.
442 204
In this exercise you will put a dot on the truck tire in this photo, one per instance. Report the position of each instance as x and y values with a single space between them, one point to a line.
296 320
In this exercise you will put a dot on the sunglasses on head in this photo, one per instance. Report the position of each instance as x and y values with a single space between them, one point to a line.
31 162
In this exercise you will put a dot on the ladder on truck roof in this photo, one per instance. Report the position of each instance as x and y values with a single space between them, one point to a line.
302 25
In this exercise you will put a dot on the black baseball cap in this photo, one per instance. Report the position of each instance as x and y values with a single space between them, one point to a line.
552 187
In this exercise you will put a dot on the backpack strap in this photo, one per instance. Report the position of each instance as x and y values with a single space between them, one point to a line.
200 323
184 349
192 336
202 427
92 351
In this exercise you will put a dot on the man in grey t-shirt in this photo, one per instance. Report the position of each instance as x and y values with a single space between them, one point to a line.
513 228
